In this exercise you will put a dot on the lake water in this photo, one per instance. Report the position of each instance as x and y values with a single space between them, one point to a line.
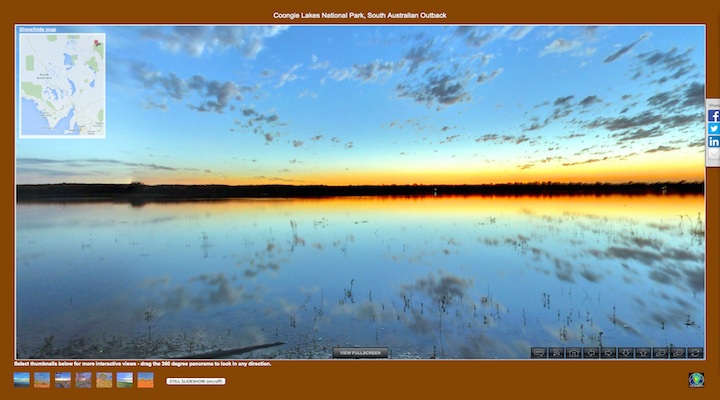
446 277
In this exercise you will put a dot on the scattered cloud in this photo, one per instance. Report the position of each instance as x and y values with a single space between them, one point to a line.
477 36
419 55
449 139
502 139
485 77
484 58
95 169
694 96
560 46
444 89
563 101
669 60
571 136
316 64
257 117
152 105
519 32
590 100
88 161
590 161
177 88
307 93
288 76
662 149
199 40
674 63
272 179
618 123
370 72
590 32
614 56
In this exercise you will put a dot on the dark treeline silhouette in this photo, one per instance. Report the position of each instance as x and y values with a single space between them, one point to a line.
139 193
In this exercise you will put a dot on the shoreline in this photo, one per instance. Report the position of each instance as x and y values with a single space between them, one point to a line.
140 193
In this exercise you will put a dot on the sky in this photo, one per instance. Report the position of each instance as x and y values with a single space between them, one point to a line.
382 105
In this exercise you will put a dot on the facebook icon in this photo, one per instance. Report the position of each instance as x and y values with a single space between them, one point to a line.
714 115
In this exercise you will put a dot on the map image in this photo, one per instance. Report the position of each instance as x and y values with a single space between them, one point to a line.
62 85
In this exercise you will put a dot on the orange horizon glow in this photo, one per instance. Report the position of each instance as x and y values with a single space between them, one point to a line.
589 174
647 169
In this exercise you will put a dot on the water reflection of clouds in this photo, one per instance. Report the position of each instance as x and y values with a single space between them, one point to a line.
674 274
676 317
257 268
564 270
263 260
447 285
590 275
670 266
670 252
262 274
218 291
200 292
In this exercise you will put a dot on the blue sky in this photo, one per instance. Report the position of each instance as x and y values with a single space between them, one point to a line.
389 105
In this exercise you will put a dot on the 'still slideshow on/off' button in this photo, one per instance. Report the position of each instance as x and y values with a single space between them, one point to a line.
195 381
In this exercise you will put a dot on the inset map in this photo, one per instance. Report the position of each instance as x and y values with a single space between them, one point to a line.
62 85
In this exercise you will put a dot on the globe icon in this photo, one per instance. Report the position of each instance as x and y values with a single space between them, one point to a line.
697 379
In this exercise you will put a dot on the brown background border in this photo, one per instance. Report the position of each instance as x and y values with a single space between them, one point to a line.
475 379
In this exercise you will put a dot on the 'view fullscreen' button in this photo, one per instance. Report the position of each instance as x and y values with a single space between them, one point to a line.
360 352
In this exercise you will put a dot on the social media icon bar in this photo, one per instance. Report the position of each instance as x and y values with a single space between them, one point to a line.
712 135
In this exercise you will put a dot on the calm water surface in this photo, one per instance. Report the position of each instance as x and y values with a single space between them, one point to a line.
446 277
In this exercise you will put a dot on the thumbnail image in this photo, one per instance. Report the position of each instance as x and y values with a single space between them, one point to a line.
83 379
124 379
445 192
62 380
146 379
41 380
104 380
21 379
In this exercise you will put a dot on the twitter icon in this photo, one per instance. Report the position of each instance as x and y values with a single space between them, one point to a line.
714 129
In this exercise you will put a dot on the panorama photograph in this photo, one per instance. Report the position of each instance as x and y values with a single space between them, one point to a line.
274 192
